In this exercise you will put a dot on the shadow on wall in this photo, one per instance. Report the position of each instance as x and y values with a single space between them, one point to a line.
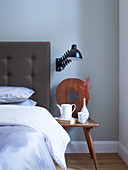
53 103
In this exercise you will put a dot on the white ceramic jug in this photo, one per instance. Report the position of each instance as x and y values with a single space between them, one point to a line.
66 110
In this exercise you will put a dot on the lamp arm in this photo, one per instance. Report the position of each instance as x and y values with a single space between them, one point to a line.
62 62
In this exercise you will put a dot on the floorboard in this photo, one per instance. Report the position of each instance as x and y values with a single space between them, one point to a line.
106 161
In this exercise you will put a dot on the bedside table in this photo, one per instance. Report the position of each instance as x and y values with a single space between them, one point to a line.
89 124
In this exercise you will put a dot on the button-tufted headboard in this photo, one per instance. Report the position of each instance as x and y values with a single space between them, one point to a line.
27 64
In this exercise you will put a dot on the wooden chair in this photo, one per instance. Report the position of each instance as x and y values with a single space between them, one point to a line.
62 96
64 89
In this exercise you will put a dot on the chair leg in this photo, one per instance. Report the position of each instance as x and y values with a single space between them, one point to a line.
88 142
88 136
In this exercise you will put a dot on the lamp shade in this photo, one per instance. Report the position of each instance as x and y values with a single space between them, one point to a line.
74 53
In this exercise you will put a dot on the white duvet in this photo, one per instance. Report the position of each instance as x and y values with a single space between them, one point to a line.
40 119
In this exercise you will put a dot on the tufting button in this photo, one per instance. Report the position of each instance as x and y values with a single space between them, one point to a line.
33 57
32 75
8 57
8 75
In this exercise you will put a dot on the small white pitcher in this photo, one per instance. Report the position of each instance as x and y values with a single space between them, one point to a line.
66 110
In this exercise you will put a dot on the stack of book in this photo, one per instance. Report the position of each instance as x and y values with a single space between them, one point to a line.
66 121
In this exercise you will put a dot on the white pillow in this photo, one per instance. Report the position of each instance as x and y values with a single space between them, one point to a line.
27 102
9 94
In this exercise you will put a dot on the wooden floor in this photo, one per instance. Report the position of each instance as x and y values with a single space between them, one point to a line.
84 162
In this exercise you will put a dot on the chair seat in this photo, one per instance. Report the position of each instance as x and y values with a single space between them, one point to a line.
88 124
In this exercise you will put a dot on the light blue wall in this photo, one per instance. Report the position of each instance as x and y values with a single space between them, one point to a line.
93 26
123 112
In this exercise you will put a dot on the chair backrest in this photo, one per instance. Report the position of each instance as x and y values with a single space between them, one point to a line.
69 87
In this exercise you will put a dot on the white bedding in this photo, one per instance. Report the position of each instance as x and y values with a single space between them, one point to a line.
40 119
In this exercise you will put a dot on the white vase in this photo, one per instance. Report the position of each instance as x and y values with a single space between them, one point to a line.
84 108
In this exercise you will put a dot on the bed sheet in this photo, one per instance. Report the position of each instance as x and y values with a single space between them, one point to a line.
23 148
40 119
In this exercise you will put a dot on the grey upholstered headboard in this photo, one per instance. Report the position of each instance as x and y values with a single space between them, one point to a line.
27 64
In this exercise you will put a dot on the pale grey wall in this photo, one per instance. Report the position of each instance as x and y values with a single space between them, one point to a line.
93 26
123 111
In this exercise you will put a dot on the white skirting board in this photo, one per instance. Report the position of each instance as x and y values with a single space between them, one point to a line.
123 152
100 147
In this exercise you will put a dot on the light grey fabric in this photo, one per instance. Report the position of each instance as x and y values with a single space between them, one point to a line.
27 102
27 64
24 146
10 94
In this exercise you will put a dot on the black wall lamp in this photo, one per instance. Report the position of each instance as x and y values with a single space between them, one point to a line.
73 54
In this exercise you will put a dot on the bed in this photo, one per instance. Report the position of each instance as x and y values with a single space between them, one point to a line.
29 134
